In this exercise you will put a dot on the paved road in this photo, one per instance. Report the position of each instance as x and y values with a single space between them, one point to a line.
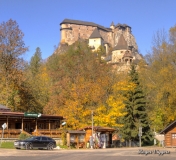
88 154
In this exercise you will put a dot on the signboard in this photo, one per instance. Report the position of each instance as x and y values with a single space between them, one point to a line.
140 131
4 126
26 114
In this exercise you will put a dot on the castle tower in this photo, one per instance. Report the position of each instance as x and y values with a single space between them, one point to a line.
127 57
64 29
119 50
112 26
95 39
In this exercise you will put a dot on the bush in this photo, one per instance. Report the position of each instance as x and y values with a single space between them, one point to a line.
63 137
24 136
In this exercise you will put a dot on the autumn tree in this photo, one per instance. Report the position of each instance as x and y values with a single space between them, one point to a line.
159 77
135 105
79 82
12 47
110 112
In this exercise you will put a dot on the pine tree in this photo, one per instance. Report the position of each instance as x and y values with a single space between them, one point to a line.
136 112
35 62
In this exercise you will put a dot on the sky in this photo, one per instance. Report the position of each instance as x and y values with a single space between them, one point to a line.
40 20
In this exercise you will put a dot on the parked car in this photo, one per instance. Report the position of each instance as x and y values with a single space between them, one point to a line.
36 142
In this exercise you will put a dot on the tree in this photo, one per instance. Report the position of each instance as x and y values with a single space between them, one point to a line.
37 82
36 61
136 116
158 77
109 113
12 47
79 84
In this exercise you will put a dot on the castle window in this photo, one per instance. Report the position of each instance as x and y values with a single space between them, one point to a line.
121 52
119 60
94 40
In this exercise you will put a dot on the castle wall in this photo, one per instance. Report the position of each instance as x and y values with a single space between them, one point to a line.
71 35
76 31
117 55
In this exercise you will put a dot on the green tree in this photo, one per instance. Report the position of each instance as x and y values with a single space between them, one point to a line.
136 116
36 61
37 82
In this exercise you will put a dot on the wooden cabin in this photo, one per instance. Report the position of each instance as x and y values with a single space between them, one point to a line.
102 136
76 138
170 135
30 123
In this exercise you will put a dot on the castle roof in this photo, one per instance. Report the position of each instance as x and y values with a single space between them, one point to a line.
112 24
122 44
122 25
95 34
127 54
70 21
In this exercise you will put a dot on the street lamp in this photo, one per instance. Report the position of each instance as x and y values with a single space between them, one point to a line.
92 132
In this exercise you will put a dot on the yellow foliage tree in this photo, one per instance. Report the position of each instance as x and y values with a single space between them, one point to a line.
109 113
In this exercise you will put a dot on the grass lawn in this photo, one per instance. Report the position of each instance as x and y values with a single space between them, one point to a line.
7 145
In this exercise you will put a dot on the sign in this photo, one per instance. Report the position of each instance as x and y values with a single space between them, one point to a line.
26 114
4 126
140 131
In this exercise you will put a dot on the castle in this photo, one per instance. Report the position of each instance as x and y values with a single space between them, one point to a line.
118 41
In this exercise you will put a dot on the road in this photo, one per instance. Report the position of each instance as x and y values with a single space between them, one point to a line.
91 154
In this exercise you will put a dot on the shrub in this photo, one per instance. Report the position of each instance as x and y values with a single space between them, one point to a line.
24 136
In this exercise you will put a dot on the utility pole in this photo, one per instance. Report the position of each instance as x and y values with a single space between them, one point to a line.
92 132
140 135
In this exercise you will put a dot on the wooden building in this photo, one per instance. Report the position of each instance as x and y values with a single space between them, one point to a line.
31 123
102 136
76 138
170 135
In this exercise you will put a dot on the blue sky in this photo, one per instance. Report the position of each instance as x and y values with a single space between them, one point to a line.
40 19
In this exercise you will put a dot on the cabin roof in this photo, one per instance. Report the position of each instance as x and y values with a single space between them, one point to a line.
99 128
169 127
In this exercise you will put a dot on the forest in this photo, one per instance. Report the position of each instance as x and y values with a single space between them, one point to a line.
78 81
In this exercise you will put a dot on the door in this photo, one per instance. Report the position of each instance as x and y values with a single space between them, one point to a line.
44 142
17 125
37 142
173 139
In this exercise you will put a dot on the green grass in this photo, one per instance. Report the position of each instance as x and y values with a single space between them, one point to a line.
8 145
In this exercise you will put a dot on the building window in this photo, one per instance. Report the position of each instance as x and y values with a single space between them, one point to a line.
173 136
121 52
94 40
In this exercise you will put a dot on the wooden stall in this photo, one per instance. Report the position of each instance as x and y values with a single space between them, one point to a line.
102 136
170 135
76 138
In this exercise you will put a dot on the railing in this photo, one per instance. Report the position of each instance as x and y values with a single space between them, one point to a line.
54 133
11 133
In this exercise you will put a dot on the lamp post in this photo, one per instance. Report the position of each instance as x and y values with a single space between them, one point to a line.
92 131
140 135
